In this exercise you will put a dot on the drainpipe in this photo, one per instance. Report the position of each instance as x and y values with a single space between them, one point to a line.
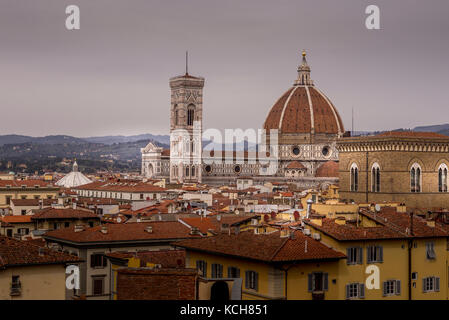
366 192
410 247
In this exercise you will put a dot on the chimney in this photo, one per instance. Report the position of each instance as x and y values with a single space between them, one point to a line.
74 205
138 217
61 201
149 229
340 220
41 203
309 208
104 229
79 228
431 223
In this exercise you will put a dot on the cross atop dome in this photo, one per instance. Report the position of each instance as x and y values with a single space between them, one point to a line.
304 73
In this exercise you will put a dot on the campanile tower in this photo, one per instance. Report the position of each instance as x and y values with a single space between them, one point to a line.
186 126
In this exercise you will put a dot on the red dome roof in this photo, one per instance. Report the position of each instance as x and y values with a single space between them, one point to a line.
304 109
328 169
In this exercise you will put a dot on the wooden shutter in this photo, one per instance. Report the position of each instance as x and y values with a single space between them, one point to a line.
384 284
221 271
347 291
437 284
325 281
398 287
92 261
368 254
309 282
348 255
362 291
230 272
237 272
256 281
204 269
105 261
424 285
360 257
381 254
247 279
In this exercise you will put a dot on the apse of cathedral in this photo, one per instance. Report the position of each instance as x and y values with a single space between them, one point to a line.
307 123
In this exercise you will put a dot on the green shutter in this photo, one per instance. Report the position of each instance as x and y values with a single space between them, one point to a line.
325 281
360 257
348 255
256 280
347 291
247 279
361 291
398 287
309 282
437 284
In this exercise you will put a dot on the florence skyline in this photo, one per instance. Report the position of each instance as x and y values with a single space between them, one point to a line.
111 76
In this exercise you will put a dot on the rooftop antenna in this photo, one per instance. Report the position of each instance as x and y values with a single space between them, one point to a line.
352 130
187 62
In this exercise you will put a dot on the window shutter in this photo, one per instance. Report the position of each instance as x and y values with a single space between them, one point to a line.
424 285
384 284
92 260
348 255
398 287
256 279
362 291
105 261
221 271
214 270
247 279
347 291
309 282
381 254
368 254
229 272
204 269
237 272
360 257
325 281
437 284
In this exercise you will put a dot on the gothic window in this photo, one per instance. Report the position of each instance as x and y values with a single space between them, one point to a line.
442 178
176 114
375 178
354 177
415 178
190 115
187 171
193 171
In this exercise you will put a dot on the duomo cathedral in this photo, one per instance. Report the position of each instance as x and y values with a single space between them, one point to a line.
307 123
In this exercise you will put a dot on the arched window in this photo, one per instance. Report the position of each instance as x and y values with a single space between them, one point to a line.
193 171
415 178
176 114
442 178
354 177
375 177
190 115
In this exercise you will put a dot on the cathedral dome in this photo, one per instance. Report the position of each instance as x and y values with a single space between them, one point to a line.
303 108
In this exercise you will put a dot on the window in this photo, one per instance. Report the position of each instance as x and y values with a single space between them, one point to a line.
217 270
392 287
97 285
355 255
374 254
16 286
354 177
430 250
202 267
176 114
193 171
66 224
317 281
233 272
8 200
442 178
295 150
23 212
141 196
187 171
190 115
252 280
415 178
355 291
98 260
431 284
375 178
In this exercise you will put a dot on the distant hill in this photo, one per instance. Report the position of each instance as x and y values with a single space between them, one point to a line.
441 129
61 139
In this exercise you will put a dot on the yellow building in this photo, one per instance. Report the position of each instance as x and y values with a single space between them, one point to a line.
25 189
277 265
410 258
29 272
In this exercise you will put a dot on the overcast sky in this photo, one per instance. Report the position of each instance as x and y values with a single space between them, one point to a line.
111 76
